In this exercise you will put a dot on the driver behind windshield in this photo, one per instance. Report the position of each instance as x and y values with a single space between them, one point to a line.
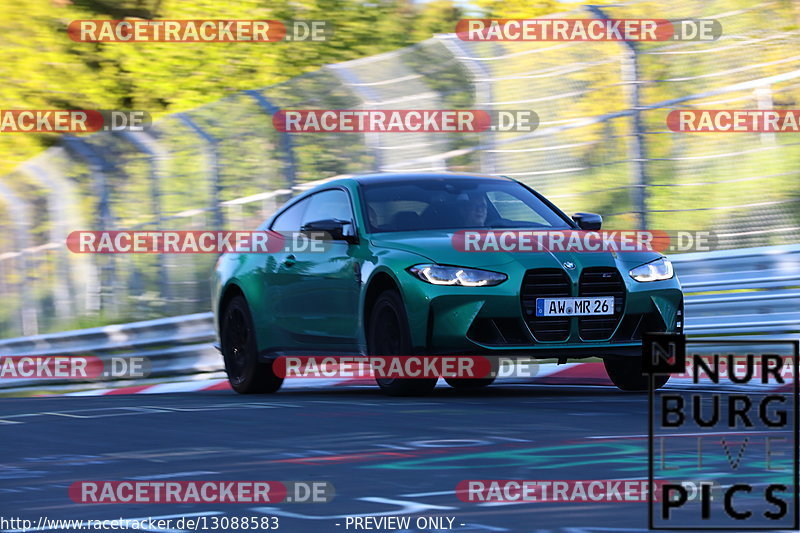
472 210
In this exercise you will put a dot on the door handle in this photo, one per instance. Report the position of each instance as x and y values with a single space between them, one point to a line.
290 260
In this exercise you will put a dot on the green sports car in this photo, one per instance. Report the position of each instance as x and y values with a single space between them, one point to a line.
392 279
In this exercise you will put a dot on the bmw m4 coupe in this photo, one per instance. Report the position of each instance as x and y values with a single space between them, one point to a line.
393 280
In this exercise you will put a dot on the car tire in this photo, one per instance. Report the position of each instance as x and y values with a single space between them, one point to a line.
388 333
626 374
246 374
469 383
476 383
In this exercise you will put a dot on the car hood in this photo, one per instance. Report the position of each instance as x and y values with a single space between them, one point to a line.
437 247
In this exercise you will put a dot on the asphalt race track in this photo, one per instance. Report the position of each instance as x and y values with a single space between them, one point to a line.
385 456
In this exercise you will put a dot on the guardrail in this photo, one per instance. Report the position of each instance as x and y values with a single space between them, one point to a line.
174 346
752 292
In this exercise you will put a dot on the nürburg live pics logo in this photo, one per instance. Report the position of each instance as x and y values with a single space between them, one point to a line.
723 447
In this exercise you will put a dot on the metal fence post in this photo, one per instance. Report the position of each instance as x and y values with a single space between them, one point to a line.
481 80
290 164
60 200
27 318
157 156
366 95
212 168
98 167
636 147
764 101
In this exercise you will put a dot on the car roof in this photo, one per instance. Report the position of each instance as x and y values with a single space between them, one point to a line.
385 177
389 177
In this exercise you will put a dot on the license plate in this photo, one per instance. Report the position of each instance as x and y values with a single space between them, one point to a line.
581 306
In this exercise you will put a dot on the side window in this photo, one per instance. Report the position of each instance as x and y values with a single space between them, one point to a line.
333 204
290 220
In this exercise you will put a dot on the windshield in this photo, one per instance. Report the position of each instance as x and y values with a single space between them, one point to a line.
454 204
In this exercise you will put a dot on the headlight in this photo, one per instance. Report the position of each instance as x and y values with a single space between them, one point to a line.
657 270
450 275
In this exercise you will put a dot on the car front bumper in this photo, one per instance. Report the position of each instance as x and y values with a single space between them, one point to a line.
492 320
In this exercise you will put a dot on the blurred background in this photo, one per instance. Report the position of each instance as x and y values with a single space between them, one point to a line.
213 159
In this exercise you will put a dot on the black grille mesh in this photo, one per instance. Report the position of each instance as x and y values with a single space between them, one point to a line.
601 281
545 283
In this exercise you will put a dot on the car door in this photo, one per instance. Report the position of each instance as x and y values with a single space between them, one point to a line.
283 308
322 287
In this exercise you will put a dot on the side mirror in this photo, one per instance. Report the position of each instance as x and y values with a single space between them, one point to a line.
588 221
335 228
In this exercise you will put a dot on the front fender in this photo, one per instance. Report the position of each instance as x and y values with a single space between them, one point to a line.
394 264
244 271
